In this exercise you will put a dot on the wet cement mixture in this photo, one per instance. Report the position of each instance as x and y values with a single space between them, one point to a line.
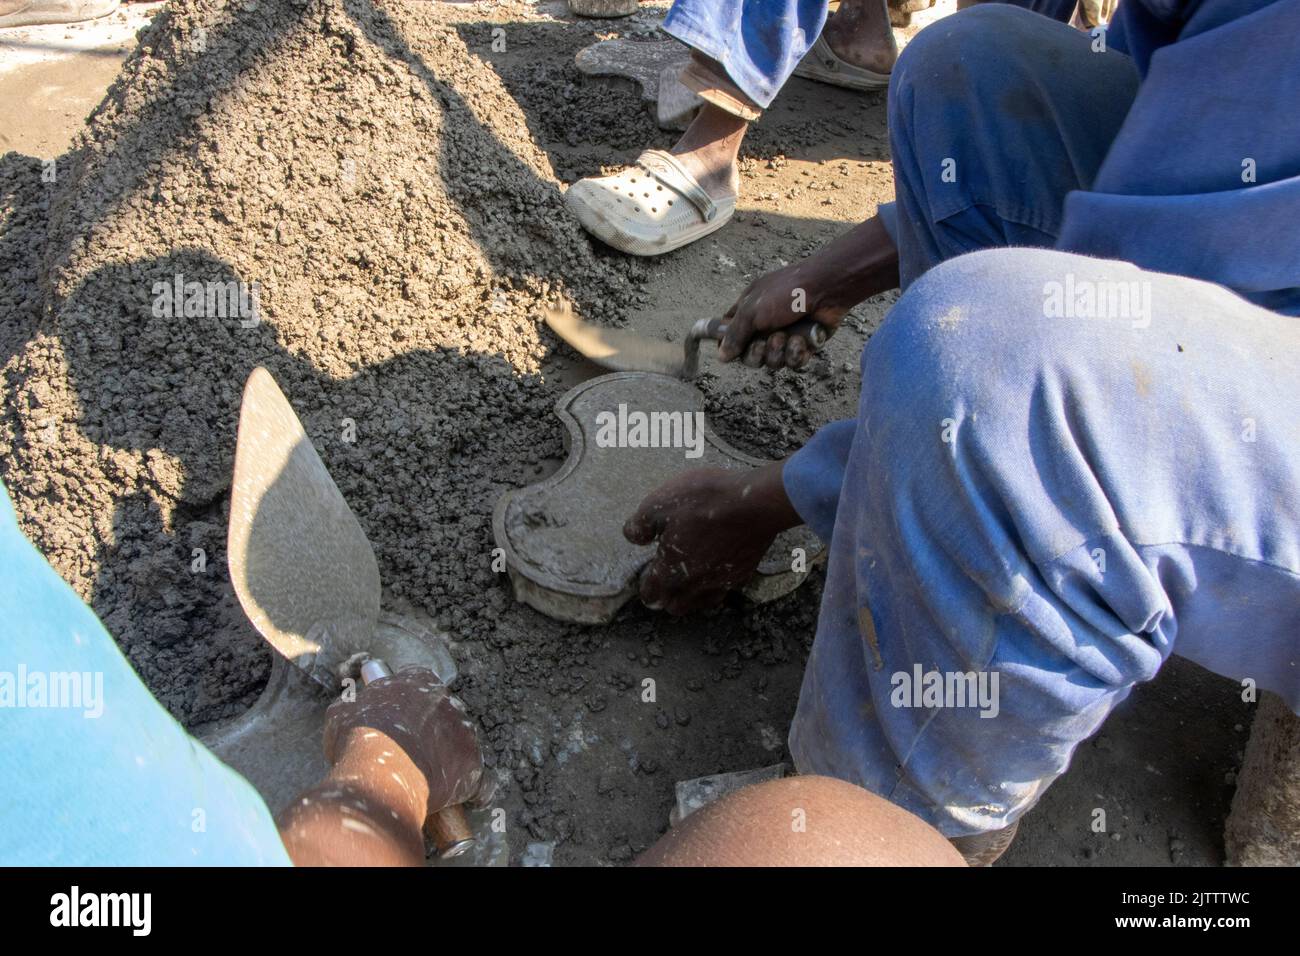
384 181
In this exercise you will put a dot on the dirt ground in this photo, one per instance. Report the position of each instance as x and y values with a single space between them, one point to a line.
392 183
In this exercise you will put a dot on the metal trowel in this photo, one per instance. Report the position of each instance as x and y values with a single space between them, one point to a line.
305 572
624 351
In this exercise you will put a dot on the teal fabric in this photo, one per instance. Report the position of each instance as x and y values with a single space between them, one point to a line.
95 771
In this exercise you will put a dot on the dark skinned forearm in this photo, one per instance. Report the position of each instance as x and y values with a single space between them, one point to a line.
854 266
822 287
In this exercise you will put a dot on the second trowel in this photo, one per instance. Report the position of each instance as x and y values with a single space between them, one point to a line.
622 351
302 566
307 578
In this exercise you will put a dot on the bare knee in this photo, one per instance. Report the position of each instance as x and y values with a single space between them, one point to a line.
802 821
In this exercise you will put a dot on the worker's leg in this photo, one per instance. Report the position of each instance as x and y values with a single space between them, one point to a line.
801 821
860 34
742 51
1064 470
995 114
751 49
758 44
746 51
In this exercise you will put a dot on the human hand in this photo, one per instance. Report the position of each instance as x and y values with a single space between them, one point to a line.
713 527
409 724
758 324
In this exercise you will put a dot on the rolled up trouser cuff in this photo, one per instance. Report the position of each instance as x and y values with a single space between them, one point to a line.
707 80
758 45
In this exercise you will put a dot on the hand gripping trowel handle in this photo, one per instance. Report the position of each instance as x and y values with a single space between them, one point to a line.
449 829
813 332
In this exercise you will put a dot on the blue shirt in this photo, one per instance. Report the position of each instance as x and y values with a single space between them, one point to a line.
95 771
1203 179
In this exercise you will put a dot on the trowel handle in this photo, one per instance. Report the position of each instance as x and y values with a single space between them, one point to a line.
373 669
708 329
449 828
813 332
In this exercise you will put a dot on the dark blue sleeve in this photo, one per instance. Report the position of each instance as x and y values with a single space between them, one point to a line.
1203 179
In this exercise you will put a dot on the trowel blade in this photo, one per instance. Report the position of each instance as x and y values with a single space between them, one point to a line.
617 349
303 568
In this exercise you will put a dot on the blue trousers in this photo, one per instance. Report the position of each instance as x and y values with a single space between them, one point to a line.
1063 469
760 42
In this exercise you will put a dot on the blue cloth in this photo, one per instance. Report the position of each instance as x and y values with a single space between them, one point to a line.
1061 10
1058 492
1204 176
966 87
106 777
760 42
1108 167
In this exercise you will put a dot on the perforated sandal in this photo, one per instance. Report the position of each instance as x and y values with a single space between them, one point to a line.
650 208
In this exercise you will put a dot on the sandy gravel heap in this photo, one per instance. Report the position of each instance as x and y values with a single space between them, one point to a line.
358 203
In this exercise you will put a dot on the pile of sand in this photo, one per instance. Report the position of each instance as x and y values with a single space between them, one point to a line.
363 174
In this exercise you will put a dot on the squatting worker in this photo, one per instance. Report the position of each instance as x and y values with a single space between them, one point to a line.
1075 451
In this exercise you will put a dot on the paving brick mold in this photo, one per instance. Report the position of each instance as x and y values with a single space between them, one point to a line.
562 536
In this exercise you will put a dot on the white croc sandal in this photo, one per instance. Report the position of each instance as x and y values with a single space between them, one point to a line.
650 208
821 64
